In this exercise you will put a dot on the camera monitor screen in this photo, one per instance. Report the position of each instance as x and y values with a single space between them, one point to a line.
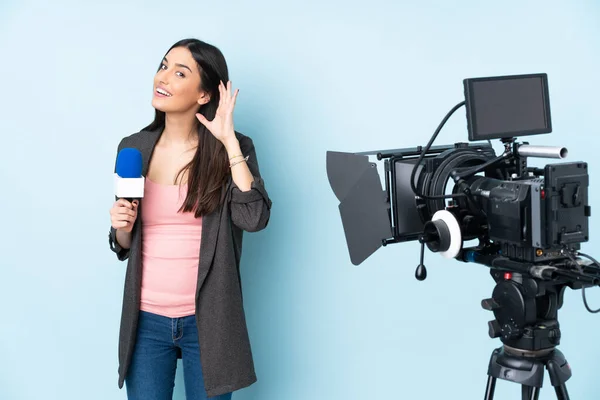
507 106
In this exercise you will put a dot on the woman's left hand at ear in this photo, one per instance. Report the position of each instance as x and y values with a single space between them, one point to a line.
221 126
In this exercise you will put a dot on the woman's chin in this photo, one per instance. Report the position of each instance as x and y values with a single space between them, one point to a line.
167 106
159 105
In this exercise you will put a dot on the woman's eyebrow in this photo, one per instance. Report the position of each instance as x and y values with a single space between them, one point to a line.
179 65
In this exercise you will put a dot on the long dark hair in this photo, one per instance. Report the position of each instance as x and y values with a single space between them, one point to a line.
208 171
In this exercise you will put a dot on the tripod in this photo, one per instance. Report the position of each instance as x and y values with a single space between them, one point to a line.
527 369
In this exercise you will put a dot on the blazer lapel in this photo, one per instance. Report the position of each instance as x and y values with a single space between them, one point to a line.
211 225
147 144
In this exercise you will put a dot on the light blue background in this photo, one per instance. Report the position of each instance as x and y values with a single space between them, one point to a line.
350 76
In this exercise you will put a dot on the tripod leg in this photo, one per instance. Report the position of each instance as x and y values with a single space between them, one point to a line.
561 392
491 386
530 392
559 372
535 393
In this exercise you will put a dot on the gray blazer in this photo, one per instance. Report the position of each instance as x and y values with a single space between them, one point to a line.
222 333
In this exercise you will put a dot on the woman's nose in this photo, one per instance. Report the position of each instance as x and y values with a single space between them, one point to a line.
162 78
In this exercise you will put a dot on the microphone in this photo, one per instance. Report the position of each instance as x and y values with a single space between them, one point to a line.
129 182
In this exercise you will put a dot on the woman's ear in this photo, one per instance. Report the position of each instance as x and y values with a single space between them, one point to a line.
204 98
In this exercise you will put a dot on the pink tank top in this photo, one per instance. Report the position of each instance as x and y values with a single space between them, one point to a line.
170 251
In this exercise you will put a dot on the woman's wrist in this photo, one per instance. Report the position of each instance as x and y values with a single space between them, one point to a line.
123 239
232 146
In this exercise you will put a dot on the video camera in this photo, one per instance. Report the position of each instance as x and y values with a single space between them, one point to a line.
528 222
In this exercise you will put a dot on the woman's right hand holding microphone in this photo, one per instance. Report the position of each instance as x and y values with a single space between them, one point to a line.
122 217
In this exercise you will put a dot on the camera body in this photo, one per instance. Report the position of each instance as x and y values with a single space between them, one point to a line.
533 219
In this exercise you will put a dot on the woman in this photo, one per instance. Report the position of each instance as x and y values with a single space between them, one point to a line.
182 295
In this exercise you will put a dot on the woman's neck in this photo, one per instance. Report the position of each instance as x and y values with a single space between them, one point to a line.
180 130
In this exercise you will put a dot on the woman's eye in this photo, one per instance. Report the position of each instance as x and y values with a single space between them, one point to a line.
180 74
163 66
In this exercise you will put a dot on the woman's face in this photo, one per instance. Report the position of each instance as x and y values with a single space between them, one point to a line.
177 83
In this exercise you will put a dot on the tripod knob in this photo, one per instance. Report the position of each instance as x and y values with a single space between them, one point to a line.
489 304
494 329
554 336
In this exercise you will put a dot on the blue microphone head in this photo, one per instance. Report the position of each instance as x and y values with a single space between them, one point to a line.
129 163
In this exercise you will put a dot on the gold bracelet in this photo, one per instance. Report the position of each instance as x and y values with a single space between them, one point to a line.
237 162
239 155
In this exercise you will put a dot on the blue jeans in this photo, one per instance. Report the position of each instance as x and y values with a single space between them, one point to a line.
151 375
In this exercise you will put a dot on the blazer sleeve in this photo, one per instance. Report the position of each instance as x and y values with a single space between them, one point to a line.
122 254
250 210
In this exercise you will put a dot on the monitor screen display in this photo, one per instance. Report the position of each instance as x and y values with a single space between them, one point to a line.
508 106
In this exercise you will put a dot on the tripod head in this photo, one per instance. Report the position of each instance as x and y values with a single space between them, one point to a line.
527 296
525 311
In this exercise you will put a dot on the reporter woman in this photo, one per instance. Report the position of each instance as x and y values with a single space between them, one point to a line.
183 240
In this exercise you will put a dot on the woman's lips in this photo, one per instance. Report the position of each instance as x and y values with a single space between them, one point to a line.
161 92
